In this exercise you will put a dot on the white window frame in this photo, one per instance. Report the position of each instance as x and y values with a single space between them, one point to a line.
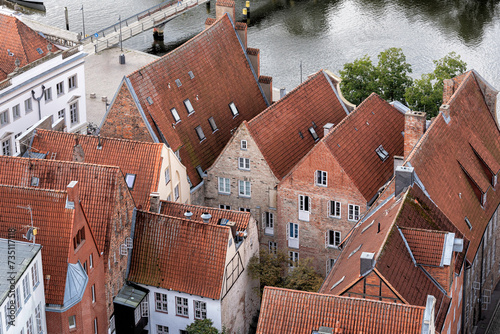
268 222
161 302
293 257
60 88
292 234
244 188
4 118
224 207
47 94
321 178
188 106
175 115
333 239
181 307
224 185
34 275
72 317
273 247
234 110
61 113
29 325
213 125
167 175
72 82
200 310
26 287
16 112
333 206
200 133
73 113
161 329
304 207
28 105
352 215
38 318
176 193
243 145
244 163
6 147
329 265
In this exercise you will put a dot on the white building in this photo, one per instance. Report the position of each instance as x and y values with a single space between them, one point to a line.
22 296
37 79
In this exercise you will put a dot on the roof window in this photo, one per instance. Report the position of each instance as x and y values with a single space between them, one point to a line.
354 251
199 132
40 51
130 180
382 153
191 75
189 106
211 121
150 100
234 110
175 114
314 124
35 181
178 82
313 134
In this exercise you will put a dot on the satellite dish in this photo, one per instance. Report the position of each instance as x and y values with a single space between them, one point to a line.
29 234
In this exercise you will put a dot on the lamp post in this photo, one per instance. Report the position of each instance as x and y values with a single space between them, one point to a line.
83 22
121 44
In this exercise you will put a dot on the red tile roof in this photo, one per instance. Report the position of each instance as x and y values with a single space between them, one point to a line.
281 131
426 246
221 74
133 157
100 186
179 254
353 143
174 209
55 226
22 42
298 312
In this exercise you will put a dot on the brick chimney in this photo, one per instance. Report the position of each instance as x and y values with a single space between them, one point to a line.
154 202
414 129
241 29
225 6
78 154
254 56
267 86
73 194
327 128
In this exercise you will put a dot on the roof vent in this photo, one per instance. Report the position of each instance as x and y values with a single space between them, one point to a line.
150 100
206 217
188 214
328 127
10 53
366 262
404 178
382 153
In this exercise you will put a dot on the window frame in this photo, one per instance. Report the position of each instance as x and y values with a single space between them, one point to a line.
15 108
246 186
47 94
60 88
321 178
293 231
28 105
333 238
175 115
161 304
61 113
4 118
333 204
273 247
189 106
234 110
244 163
6 147
182 303
200 133
72 83
226 185
212 123
133 176
74 321
293 258
74 113
243 145
199 308
352 217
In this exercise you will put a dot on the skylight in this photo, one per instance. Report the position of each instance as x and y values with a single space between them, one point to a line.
40 51
468 223
368 226
354 251
191 75
175 114
178 82
130 180
189 106
313 133
382 153
199 132
233 108
35 181
150 100
338 282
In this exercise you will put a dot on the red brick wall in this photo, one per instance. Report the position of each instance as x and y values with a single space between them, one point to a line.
372 287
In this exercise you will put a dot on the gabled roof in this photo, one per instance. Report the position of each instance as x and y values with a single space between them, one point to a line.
453 157
290 311
141 159
354 142
55 226
174 209
282 130
18 41
211 70
98 186
179 254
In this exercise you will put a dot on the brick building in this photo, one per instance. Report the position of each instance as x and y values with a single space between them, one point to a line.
72 262
105 199
191 99
332 186
263 150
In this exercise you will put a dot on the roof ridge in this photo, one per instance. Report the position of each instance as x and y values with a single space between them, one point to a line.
460 87
185 220
209 208
422 230
62 192
62 162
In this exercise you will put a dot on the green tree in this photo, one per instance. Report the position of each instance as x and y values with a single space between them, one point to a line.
304 278
392 72
358 80
204 326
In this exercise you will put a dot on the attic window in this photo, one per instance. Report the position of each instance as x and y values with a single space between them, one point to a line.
382 153
191 75
150 100
199 132
40 51
130 180
35 181
354 251
468 223
313 134
189 106
178 82
211 121
175 114
234 110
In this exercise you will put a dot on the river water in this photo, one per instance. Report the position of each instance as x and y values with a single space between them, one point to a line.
322 34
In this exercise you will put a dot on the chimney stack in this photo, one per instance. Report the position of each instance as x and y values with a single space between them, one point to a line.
78 154
73 197
445 110
327 128
414 129
267 86
188 214
366 262
154 202
398 161
206 217
428 323
254 57
225 6
404 178
241 29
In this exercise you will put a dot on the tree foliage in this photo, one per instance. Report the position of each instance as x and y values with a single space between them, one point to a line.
204 326
358 80
303 277
392 74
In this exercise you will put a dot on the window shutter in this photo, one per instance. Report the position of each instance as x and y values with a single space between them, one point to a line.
287 231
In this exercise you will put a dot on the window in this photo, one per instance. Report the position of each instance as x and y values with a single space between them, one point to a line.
199 132
73 113
224 185
313 133
244 209
29 325
160 329
244 188
16 111
211 121
294 259
130 180
79 238
181 306
95 325
72 82
293 231
60 88
137 314
28 105
6 147
93 293
304 207
85 266
234 110
72 321
61 113
38 318
4 118
178 82
353 212
34 275
268 222
47 94
191 75
200 310
243 145
176 193
167 175
161 302
175 114
329 265
321 177
145 308
333 238
26 287
189 106
273 247
334 209
224 207
91 261
382 153
244 163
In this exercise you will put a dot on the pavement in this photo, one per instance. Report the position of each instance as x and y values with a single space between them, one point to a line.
490 324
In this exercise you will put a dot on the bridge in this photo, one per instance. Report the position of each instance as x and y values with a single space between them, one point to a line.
153 17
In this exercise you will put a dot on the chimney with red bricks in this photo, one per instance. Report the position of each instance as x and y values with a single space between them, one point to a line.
225 6
414 129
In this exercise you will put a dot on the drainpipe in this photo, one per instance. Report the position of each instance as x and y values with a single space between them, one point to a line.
38 100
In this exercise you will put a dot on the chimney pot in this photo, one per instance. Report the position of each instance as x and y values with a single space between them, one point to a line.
445 110
282 92
154 202
188 214
328 127
72 190
206 217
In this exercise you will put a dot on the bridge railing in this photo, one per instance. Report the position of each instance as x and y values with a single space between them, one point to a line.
134 18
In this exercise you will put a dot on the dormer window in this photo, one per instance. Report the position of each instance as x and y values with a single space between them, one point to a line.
382 153
313 133
175 114
189 106
234 110
130 180
199 132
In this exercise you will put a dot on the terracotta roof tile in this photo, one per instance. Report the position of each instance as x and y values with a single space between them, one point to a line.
426 246
174 209
179 254
289 311
282 130
22 42
55 226
133 157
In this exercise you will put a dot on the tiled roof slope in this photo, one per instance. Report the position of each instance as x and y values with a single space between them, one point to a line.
277 130
54 223
353 143
179 254
299 312
426 246
22 42
98 186
222 74
140 158
447 148
174 209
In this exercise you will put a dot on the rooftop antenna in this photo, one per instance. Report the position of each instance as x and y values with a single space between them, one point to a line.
32 231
